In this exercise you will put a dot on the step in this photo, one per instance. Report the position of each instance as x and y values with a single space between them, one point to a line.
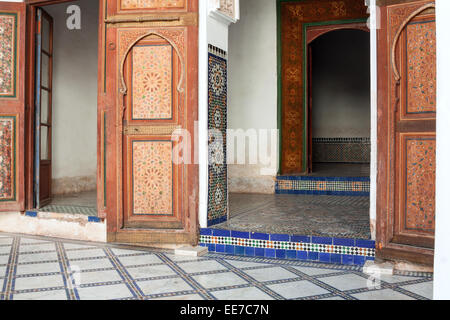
337 186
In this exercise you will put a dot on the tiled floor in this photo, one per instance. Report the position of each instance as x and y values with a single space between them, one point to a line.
74 203
49 269
329 216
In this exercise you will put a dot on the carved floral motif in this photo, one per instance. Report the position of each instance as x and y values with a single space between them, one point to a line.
152 82
7 128
152 177
420 183
7 52
421 66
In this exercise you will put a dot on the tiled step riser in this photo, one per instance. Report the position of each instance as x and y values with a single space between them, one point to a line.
282 246
348 186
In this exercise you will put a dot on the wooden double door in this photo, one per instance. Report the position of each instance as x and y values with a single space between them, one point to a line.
406 131
147 106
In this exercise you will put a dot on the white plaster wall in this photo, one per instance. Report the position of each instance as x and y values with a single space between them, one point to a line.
252 95
442 243
75 97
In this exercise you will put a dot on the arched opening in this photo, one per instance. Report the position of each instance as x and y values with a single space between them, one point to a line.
339 103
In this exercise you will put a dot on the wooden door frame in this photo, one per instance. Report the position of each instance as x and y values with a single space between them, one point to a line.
31 8
312 33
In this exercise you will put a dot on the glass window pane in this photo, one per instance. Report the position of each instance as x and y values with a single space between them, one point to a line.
45 70
44 106
44 143
45 35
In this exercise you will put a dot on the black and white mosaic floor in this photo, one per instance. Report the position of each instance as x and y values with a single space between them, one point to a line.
329 216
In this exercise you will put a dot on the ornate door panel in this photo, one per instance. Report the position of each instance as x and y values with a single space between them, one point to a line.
12 105
407 134
151 106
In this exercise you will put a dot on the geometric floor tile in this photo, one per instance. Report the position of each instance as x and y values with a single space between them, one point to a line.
99 276
4 259
32 241
90 264
35 268
394 278
69 246
46 295
386 294
5 249
139 260
201 266
2 272
40 267
5 240
150 271
250 293
333 298
116 291
180 258
244 264
38 257
37 247
297 289
160 286
422 289
314 271
346 282
39 282
89 253
181 297
124 252
270 274
210 281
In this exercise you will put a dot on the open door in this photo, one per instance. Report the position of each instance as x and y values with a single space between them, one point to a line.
150 108
407 132
12 105
43 108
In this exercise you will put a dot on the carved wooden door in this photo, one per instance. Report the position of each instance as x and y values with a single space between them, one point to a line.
12 105
150 107
407 132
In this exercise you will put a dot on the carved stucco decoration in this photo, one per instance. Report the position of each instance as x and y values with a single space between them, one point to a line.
228 7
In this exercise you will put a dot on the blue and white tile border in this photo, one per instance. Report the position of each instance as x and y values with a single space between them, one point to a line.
339 186
283 246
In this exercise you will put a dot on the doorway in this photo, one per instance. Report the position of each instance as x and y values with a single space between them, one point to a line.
333 199
339 103
65 154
